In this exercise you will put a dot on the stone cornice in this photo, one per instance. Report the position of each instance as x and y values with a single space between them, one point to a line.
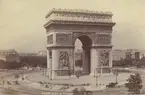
102 46
104 67
76 11
79 23
67 46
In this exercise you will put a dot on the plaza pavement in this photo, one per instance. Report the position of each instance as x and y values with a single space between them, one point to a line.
87 79
31 84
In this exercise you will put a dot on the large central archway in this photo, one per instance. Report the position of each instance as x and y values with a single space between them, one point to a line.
86 48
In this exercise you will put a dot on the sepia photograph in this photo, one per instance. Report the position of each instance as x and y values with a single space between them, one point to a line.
72 47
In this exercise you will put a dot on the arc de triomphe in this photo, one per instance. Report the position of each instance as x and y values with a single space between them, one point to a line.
92 28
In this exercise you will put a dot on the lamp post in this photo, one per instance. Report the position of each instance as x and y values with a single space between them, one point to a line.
116 74
96 75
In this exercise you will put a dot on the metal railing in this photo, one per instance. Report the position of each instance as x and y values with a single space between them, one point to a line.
68 93
99 70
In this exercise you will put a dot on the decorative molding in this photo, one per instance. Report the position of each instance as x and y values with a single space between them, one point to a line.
82 17
102 46
50 39
110 24
60 46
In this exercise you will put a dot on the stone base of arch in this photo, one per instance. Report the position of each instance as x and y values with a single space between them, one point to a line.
60 61
57 67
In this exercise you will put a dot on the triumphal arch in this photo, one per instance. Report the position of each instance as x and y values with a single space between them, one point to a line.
92 28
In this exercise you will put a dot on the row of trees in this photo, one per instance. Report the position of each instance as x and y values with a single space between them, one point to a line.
9 65
130 62
30 61
33 61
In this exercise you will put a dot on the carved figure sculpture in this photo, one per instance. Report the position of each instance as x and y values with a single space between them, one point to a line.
104 58
64 60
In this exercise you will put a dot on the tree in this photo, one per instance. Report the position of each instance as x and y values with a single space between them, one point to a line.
134 84
79 91
78 72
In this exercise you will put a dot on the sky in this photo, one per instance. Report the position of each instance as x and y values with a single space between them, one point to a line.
21 22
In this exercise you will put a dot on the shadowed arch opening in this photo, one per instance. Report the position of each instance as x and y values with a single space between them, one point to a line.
82 53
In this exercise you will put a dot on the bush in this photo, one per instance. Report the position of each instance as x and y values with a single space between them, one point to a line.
40 82
134 84
75 90
16 82
23 78
111 85
8 82
80 91
46 86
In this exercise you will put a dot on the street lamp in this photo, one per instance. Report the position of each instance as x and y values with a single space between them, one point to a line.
96 75
116 74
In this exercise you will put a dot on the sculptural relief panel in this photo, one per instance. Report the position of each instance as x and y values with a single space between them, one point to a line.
83 17
104 57
64 60
63 39
102 39
50 39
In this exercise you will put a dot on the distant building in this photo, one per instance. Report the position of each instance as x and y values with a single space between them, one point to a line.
118 54
142 61
142 54
42 53
9 55
127 54
28 54
135 54
130 53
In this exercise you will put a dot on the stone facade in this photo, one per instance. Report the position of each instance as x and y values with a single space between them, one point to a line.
93 28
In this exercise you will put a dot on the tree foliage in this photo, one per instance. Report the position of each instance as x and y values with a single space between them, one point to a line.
9 65
33 61
30 61
134 84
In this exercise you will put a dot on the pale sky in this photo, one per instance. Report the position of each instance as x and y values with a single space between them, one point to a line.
21 21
